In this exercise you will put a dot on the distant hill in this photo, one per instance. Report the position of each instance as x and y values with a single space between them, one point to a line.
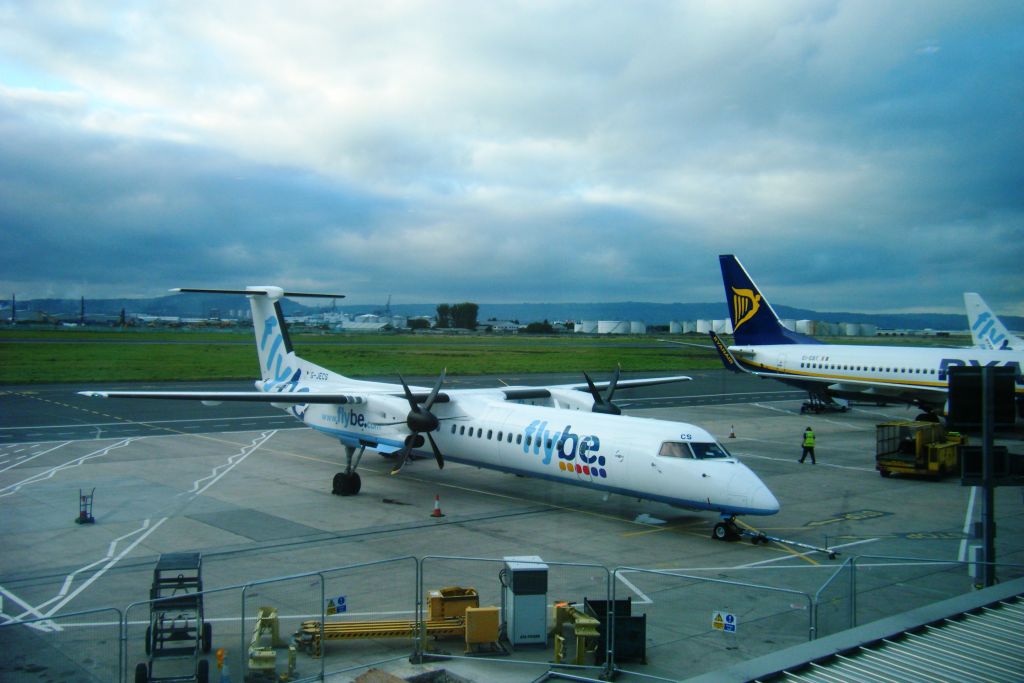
228 306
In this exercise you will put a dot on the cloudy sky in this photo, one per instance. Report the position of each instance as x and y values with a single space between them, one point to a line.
859 156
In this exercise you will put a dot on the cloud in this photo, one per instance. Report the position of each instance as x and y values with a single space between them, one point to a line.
558 151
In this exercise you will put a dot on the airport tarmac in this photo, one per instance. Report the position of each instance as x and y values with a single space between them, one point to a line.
252 494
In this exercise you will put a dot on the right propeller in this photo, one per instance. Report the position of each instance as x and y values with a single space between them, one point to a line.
603 404
420 421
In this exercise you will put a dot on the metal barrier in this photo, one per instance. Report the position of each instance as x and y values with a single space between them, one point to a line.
82 645
913 582
834 601
375 607
746 620
380 610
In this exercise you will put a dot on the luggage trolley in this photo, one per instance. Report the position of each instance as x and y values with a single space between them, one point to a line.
176 628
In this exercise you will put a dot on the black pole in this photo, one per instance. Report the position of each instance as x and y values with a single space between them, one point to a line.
988 522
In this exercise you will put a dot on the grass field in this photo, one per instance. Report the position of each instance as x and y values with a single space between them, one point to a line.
33 356
41 356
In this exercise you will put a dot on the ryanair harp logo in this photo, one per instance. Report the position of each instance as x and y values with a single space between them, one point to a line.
745 304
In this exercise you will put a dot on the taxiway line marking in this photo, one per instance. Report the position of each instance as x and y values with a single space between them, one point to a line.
48 474
644 600
24 459
146 528
232 461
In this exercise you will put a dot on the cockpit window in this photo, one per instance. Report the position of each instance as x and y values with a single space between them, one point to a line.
709 450
675 449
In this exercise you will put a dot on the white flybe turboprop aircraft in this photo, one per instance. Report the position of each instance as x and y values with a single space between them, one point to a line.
571 434
988 331
907 374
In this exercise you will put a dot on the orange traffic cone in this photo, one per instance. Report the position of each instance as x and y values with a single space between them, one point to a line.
437 507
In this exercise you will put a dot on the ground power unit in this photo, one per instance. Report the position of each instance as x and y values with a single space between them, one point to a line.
524 582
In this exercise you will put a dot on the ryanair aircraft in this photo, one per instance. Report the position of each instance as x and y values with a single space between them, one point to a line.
907 374
988 331
570 434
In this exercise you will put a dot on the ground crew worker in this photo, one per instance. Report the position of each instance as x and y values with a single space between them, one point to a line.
808 444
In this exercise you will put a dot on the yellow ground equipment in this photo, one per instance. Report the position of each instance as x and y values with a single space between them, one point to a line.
262 654
446 618
917 448
482 629
584 628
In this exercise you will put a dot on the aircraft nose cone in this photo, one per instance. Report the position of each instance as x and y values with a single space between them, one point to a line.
765 500
748 491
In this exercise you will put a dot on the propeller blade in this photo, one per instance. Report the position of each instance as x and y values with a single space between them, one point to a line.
593 389
408 394
436 389
437 452
603 404
403 458
612 384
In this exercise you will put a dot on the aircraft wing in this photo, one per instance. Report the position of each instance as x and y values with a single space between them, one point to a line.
357 396
218 396
299 397
523 393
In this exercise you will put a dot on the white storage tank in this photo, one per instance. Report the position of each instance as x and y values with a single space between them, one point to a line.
675 327
689 326
789 324
587 327
612 327
805 327
637 327
723 326
704 326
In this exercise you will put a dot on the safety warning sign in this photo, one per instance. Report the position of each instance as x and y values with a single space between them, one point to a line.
723 621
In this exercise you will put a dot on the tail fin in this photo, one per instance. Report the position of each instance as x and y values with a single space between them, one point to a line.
753 320
988 331
278 362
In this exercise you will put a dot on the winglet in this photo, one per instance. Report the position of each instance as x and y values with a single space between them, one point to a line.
728 360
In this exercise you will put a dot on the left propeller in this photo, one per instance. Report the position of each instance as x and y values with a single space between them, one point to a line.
420 421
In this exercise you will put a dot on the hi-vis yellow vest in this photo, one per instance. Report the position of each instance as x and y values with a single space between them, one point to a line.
809 439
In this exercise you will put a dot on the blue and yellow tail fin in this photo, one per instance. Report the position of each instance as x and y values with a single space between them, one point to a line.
753 320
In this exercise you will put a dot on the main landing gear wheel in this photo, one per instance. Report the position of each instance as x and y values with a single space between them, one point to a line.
346 484
725 531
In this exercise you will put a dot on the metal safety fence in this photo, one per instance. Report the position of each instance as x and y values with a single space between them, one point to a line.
84 646
724 620
332 624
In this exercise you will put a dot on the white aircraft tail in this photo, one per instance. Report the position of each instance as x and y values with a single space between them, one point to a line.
988 331
278 362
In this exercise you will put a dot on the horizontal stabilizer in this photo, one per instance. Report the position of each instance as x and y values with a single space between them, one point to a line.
257 291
